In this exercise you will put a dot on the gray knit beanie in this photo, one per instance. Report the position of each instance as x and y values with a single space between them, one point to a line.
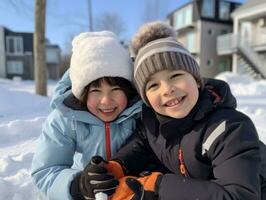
156 49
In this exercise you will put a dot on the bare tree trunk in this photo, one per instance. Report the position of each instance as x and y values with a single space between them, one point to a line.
40 71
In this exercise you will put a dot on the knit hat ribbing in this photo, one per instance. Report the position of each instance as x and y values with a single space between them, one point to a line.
95 55
161 54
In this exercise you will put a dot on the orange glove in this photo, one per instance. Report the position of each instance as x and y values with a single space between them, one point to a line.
131 187
115 168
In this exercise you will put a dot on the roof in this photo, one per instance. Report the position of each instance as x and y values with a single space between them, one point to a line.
186 3
249 4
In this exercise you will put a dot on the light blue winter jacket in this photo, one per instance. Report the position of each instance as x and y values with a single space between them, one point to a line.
70 138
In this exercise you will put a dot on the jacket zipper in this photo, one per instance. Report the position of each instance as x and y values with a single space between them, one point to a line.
107 141
182 166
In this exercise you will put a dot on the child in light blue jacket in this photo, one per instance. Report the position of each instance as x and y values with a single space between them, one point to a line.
95 117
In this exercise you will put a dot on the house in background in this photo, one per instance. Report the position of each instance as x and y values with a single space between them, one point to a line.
247 44
53 59
198 23
16 56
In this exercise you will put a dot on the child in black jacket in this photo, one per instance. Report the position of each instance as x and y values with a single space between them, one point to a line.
190 124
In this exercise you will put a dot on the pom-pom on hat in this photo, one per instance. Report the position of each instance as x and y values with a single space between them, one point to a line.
156 48
95 55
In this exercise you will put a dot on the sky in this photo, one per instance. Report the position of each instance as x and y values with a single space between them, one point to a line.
21 125
66 18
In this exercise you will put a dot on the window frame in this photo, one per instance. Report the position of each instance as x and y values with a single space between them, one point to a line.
15 67
191 44
17 45
183 17
207 3
221 4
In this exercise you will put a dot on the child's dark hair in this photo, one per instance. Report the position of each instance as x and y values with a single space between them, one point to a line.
125 85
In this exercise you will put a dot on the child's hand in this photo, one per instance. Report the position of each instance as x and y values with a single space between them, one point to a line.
137 188
115 168
95 178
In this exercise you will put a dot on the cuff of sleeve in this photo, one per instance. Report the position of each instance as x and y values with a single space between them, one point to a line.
157 185
74 189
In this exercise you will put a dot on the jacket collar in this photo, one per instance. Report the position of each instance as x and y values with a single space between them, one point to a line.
169 127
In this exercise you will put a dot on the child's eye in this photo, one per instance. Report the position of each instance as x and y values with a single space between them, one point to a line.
116 89
94 90
175 75
152 86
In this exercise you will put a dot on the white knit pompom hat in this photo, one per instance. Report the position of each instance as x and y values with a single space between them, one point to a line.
95 55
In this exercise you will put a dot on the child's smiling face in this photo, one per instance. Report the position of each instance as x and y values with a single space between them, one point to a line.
106 102
172 93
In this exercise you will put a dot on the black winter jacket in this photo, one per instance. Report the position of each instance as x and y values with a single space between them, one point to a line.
212 154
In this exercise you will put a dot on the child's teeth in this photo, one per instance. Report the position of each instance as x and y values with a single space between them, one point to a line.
172 103
108 110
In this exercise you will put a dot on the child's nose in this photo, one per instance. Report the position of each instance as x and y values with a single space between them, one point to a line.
168 89
106 99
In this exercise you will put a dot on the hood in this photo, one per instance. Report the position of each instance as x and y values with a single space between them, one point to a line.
63 85
221 92
215 94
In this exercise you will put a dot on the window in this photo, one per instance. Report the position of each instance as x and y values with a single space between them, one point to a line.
224 11
208 8
14 45
183 17
246 32
179 20
191 41
188 15
52 55
15 67
224 64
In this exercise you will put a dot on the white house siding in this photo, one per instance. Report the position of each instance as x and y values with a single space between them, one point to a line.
251 12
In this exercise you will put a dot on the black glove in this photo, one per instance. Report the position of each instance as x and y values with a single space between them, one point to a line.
92 180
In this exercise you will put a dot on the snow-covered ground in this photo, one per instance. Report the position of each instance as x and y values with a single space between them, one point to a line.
22 114
251 98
